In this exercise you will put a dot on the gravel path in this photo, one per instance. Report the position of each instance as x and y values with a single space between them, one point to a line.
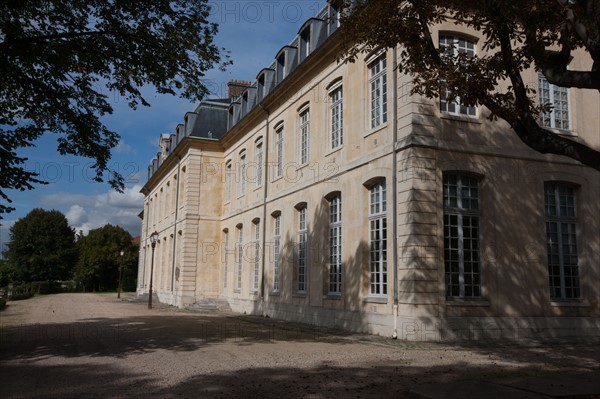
75 345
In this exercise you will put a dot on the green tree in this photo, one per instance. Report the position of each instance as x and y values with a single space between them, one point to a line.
42 247
56 55
8 272
100 258
514 35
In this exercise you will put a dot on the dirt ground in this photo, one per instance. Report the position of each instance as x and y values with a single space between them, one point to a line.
89 345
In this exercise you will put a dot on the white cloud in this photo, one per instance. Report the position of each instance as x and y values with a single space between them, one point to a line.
123 148
76 215
87 212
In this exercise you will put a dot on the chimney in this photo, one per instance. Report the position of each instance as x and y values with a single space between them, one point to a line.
235 88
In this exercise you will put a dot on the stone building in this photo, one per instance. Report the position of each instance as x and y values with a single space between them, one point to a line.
325 192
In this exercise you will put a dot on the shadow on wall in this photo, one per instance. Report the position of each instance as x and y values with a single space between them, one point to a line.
319 303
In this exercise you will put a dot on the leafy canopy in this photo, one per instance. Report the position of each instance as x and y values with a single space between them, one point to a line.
515 35
56 55
100 257
42 247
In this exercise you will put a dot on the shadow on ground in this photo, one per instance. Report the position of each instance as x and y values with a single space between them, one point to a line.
36 360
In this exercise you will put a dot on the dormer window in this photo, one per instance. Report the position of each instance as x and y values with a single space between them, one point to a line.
334 18
281 71
305 43
244 103
230 118
261 87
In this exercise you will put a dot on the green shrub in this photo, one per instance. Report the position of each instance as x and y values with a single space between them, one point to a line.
2 303
20 296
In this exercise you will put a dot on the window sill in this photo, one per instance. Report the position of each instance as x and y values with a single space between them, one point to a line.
257 188
274 293
334 150
236 291
375 129
277 178
466 302
461 118
332 296
299 295
375 299
570 304
301 166
562 132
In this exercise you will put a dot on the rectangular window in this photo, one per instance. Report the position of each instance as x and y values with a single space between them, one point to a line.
378 91
337 117
242 176
259 162
558 99
461 236
335 245
454 46
240 258
279 151
561 236
378 239
302 250
304 136
256 274
229 179
277 253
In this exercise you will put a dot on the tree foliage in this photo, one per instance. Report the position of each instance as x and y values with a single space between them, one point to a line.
515 35
42 247
55 57
100 258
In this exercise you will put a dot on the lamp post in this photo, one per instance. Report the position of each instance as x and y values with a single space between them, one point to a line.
120 273
153 240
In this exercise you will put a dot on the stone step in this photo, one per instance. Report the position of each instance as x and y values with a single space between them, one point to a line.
210 305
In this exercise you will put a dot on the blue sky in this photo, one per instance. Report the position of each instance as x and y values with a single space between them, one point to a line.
252 31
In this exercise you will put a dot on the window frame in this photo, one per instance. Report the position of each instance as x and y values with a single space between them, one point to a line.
560 220
304 135
378 267
469 111
335 246
226 249
239 262
279 150
277 253
460 213
228 181
336 114
302 251
552 89
258 159
257 254
242 171
377 80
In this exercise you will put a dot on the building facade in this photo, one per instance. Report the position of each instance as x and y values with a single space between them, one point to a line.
327 193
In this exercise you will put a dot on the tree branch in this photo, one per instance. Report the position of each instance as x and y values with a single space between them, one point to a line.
66 35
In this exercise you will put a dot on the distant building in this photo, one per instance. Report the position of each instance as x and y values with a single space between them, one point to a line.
326 193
